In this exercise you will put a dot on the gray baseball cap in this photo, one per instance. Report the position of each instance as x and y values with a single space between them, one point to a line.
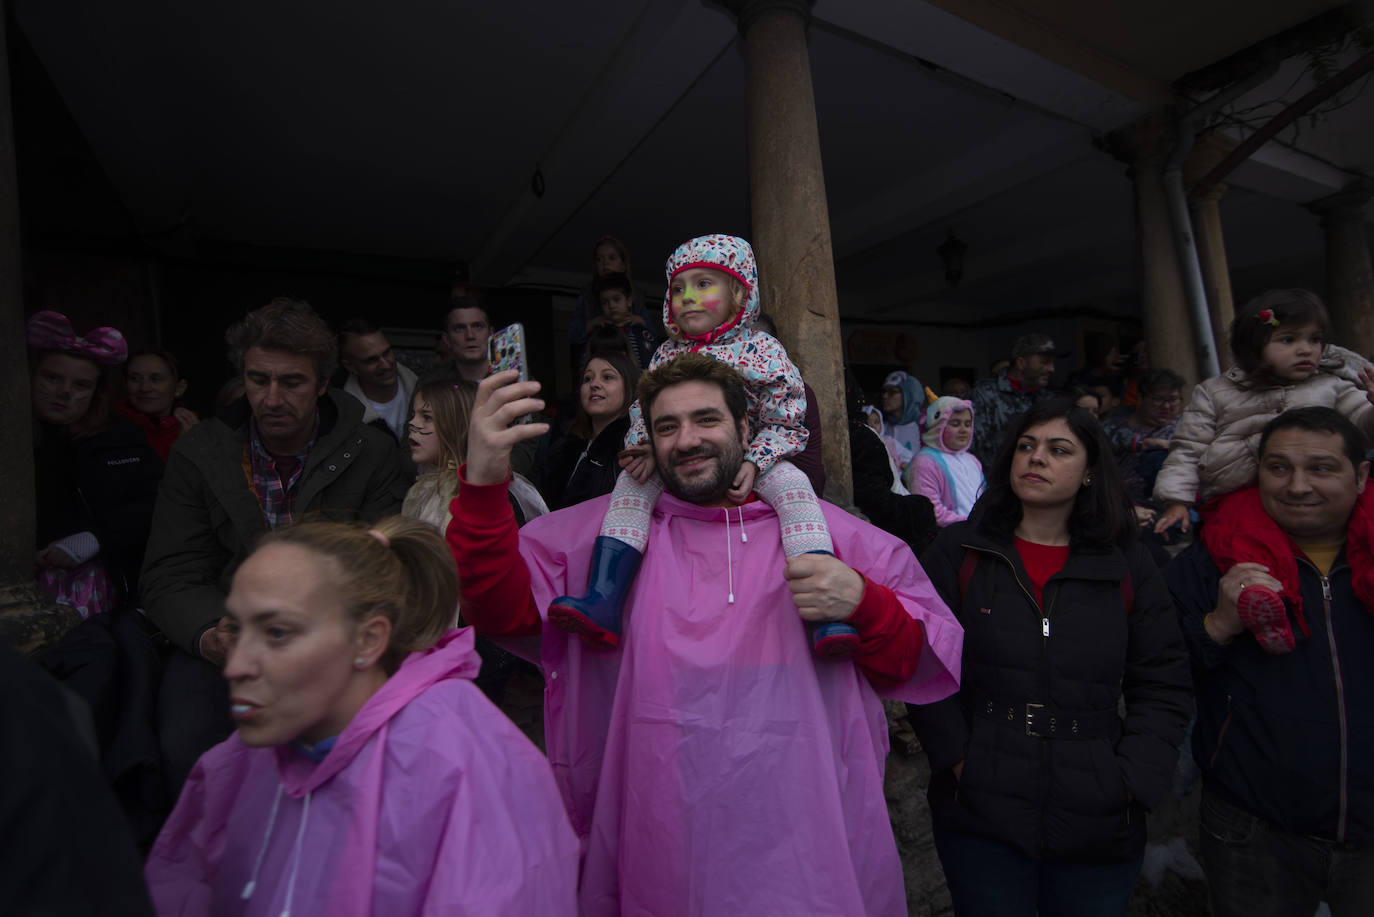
1028 345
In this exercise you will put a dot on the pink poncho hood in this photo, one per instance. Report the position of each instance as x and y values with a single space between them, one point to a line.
430 801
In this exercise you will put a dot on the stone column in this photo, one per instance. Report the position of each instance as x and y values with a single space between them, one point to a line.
1211 245
1145 146
1349 277
27 619
791 221
16 446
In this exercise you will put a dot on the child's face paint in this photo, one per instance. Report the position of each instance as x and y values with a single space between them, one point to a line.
959 431
424 445
701 300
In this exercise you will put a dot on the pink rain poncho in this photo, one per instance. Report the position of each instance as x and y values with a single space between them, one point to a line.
711 763
430 802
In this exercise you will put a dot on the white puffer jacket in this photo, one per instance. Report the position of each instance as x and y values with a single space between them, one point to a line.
1216 443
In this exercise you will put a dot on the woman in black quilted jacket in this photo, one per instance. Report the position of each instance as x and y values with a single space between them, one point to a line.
1041 775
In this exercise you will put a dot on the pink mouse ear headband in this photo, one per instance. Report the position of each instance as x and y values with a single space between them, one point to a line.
50 330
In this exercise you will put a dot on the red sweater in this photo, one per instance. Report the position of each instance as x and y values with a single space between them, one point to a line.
497 601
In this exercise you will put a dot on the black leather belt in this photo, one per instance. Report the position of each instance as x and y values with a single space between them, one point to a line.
1050 722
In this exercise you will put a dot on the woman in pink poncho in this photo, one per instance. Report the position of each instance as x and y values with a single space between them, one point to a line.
368 774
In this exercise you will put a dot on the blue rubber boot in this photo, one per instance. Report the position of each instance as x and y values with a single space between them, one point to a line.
596 616
833 638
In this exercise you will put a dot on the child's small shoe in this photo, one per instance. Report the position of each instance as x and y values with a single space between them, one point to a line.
1264 614
596 616
574 615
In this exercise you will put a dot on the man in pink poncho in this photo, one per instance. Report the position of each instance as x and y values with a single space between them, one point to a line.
709 763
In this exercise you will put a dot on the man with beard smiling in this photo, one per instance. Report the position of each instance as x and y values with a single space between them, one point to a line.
290 446
709 762
1286 741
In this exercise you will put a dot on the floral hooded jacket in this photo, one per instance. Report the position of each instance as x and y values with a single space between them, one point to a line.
773 384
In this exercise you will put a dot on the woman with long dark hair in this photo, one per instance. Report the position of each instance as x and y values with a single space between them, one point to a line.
1039 785
582 465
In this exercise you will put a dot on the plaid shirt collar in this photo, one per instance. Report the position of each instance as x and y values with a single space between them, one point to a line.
275 482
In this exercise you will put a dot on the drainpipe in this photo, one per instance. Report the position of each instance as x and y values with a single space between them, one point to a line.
1184 243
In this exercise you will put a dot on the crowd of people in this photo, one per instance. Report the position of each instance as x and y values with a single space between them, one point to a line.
300 614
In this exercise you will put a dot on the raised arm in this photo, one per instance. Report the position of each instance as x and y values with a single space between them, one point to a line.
492 576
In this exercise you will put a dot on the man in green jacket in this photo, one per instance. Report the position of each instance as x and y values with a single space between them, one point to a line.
289 447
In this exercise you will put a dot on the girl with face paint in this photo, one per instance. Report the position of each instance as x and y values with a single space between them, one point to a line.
96 475
710 307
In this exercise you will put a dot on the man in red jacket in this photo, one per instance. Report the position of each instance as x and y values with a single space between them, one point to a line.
710 763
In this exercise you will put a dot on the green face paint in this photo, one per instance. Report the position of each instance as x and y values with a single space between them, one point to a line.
701 300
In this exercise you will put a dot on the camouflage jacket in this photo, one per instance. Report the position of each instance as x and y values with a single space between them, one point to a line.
995 403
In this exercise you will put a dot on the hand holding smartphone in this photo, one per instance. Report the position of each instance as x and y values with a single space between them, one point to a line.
506 350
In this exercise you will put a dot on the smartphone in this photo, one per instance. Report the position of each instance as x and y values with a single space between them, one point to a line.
506 350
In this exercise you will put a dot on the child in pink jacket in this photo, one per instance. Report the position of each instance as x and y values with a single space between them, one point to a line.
945 471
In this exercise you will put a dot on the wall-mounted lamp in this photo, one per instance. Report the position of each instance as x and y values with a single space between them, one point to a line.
951 253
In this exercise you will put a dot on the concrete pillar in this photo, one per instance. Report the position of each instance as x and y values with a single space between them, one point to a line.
1349 277
791 221
1211 244
1145 146
16 446
28 620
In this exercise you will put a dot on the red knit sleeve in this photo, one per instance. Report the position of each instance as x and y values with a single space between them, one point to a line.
494 583
890 639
